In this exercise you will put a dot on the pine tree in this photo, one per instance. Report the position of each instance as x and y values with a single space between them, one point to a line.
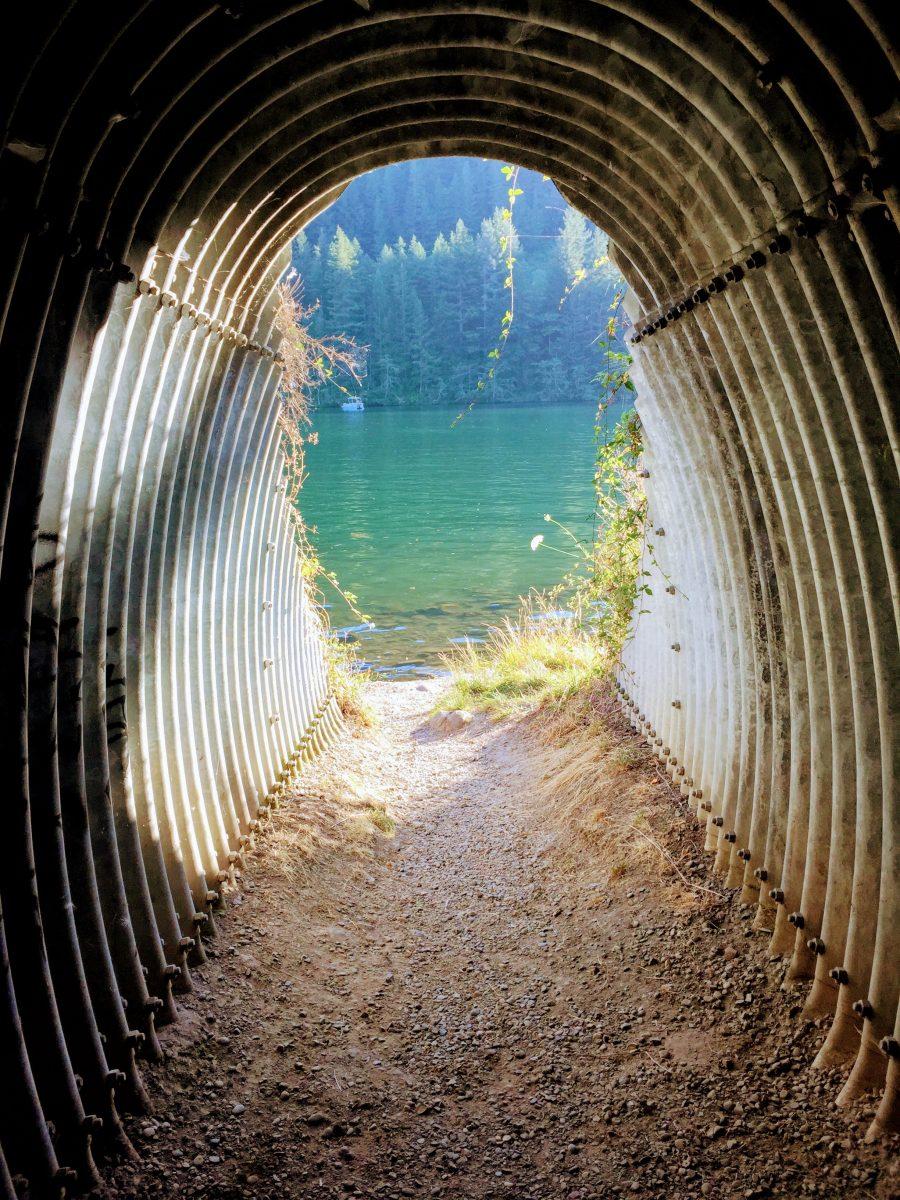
343 254
574 240
430 318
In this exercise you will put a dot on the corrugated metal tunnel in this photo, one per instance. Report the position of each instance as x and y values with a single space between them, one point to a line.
162 670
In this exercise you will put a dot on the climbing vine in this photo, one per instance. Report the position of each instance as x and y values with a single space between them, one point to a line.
308 361
607 575
507 263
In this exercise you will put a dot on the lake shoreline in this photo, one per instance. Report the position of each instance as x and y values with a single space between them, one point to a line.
431 525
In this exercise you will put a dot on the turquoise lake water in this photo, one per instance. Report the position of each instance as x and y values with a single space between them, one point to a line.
430 526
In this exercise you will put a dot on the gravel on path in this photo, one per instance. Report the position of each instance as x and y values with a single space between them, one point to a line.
455 1014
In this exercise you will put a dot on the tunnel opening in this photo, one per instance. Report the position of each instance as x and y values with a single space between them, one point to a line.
489 344
155 167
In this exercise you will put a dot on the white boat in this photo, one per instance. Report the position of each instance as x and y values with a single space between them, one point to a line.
354 404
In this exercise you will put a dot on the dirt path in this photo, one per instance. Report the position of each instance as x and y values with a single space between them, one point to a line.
457 1016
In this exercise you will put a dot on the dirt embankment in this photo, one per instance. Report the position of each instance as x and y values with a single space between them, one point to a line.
430 987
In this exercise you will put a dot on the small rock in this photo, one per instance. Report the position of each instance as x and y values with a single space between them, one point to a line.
448 722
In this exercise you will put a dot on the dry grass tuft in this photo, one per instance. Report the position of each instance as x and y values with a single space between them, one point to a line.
347 681
345 815
614 810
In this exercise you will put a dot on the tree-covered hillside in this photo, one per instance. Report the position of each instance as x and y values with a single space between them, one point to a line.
410 262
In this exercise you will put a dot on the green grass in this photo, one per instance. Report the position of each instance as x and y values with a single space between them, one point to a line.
526 663
347 681
380 819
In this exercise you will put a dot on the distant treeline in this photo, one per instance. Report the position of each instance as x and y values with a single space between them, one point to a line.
409 262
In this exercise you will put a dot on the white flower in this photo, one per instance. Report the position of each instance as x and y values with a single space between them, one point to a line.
536 541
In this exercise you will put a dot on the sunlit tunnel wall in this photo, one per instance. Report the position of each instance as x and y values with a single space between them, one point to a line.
163 675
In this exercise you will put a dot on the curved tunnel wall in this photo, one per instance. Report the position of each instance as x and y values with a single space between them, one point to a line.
162 665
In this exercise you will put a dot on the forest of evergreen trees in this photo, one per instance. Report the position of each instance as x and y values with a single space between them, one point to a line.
409 263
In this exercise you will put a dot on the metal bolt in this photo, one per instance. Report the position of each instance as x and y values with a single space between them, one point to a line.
671 589
890 1046
718 822
797 920
864 1009
676 704
731 837
676 646
806 227
768 74
745 855
701 296
735 273
660 532
756 260
780 244
838 206
816 945
777 895
761 874
839 975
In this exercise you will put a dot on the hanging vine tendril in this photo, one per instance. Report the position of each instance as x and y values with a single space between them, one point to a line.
308 362
507 261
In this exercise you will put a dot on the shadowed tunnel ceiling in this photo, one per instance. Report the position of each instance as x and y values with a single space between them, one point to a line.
162 676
